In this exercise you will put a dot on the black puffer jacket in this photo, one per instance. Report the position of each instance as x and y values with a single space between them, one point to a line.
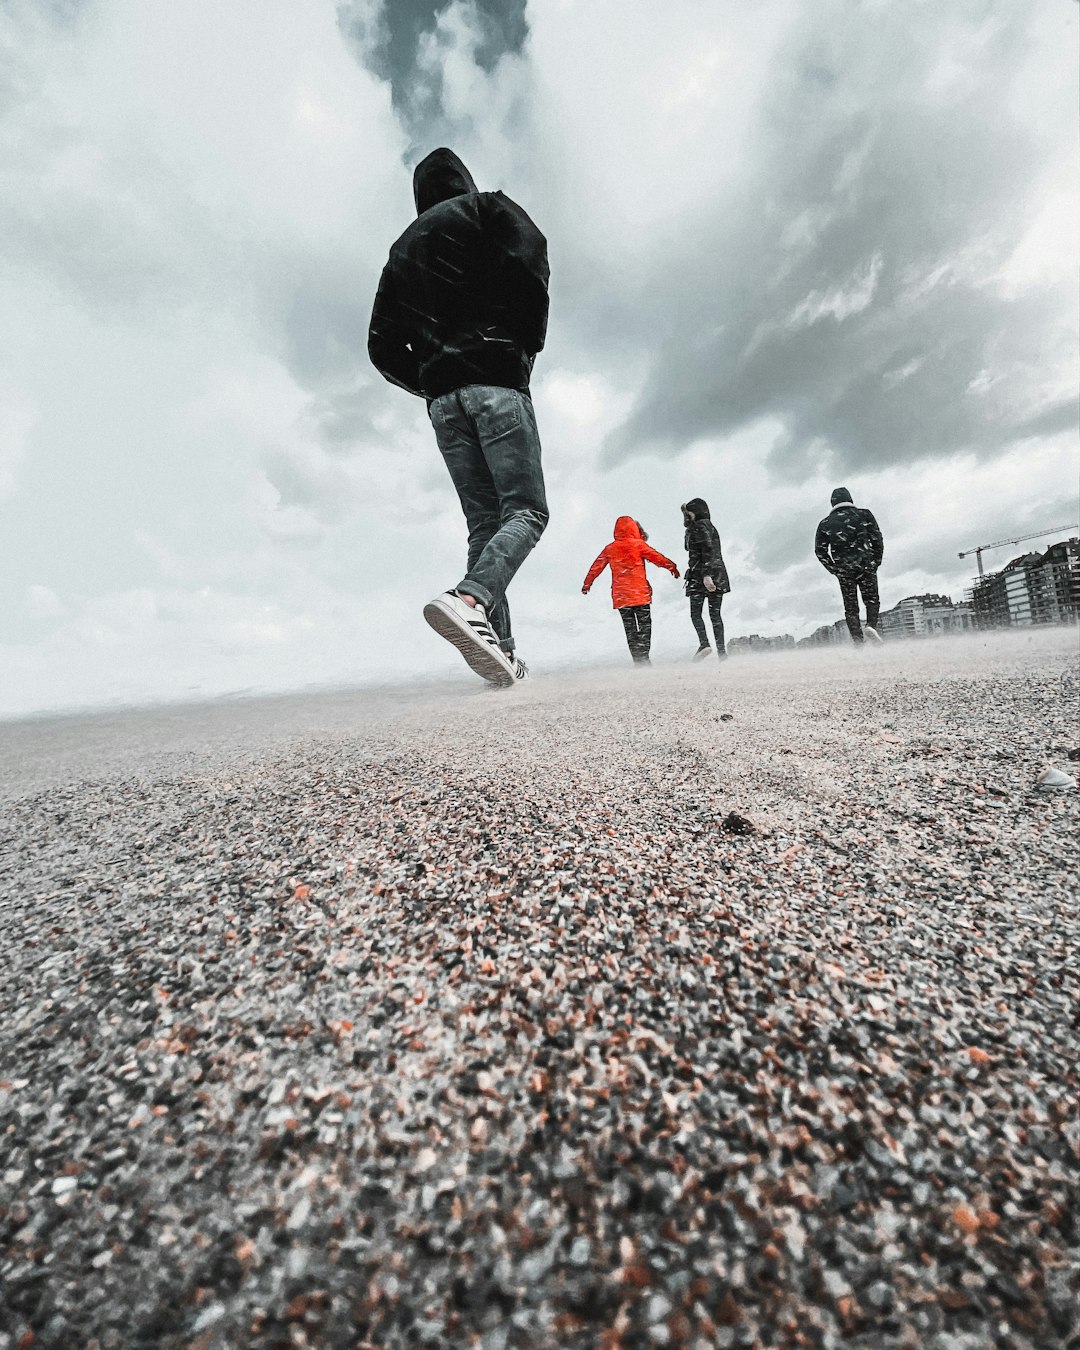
703 547
463 298
849 538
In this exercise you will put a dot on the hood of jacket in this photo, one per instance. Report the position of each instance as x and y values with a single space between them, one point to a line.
626 527
839 496
698 506
439 176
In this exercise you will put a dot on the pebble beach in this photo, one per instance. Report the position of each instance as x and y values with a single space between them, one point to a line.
700 1005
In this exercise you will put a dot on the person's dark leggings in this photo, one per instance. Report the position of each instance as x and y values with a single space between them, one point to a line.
637 620
851 584
697 604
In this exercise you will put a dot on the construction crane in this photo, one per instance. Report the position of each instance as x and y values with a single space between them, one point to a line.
1000 543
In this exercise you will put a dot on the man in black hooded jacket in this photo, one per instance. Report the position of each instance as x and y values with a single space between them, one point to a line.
706 575
459 317
850 546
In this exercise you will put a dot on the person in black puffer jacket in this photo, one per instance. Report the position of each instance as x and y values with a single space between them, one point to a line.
850 546
706 575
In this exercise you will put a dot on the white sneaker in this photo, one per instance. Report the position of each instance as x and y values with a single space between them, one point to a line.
467 627
521 672
873 634
702 653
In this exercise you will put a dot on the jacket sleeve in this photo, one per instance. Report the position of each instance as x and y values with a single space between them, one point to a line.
595 570
389 337
660 561
821 549
873 530
521 270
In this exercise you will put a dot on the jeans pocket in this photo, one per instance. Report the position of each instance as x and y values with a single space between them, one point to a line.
499 413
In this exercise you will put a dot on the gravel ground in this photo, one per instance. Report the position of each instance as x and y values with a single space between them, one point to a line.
460 1018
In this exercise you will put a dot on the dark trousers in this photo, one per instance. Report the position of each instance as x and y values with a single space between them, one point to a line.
697 603
488 438
637 620
851 584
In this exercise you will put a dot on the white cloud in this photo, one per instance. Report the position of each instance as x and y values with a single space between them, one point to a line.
17 419
43 603
841 302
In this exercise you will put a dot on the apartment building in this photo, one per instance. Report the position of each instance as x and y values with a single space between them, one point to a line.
1034 588
925 616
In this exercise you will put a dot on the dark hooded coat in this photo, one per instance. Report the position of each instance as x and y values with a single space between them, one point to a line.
703 547
849 538
463 298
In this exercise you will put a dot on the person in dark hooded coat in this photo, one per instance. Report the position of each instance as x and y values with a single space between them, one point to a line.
460 314
849 545
706 575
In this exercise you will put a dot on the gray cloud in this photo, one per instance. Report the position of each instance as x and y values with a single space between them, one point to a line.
392 46
88 235
817 596
326 306
938 553
847 289
788 540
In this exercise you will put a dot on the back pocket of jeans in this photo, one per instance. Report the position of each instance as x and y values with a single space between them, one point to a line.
499 413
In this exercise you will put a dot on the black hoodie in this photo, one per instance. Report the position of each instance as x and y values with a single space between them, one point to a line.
463 298
703 546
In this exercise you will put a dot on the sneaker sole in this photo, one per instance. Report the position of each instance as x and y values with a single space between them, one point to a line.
476 653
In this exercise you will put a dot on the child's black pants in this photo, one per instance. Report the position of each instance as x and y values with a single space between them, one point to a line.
637 620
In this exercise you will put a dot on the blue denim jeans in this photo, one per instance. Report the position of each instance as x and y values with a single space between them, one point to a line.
488 438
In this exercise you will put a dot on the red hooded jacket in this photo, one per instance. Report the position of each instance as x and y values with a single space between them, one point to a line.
626 556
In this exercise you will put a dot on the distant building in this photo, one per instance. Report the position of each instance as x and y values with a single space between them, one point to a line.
827 635
925 616
1034 588
756 643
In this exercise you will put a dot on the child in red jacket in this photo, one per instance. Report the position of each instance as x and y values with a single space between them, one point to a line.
631 593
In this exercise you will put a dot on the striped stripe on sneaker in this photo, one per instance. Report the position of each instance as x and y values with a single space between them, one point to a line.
466 627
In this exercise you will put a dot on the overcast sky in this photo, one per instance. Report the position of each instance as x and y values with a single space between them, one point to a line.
791 245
